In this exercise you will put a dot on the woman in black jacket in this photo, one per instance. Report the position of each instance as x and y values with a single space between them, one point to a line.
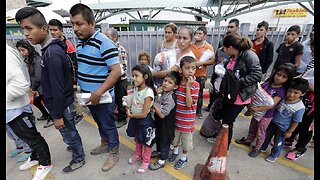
243 72
33 61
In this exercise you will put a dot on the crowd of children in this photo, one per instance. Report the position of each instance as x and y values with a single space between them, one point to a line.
164 112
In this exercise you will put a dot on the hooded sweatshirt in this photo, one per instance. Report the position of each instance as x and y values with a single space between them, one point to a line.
56 77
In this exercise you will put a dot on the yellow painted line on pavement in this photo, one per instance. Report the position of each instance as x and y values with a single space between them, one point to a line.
280 160
181 175
125 141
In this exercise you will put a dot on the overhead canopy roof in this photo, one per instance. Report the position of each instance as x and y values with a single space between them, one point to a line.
38 3
199 8
152 4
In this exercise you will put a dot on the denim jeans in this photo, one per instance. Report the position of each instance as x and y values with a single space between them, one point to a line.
201 80
71 136
17 141
103 115
24 127
274 130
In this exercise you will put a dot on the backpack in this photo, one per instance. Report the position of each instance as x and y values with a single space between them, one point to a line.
230 84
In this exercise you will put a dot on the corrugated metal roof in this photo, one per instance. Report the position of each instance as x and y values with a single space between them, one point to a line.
151 4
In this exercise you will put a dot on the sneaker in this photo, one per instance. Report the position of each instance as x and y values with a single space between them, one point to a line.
156 166
181 164
243 141
134 159
69 149
173 158
248 113
73 166
24 157
211 140
200 116
15 152
271 159
29 164
121 123
78 118
42 172
43 118
48 124
143 168
254 153
155 154
294 155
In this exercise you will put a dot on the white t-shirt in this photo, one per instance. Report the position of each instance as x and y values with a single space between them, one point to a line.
138 98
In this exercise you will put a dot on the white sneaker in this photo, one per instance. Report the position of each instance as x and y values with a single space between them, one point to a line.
42 172
28 164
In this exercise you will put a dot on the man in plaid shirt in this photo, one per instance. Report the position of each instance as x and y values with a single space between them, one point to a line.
121 84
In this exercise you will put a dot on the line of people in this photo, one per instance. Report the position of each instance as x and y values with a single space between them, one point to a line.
166 99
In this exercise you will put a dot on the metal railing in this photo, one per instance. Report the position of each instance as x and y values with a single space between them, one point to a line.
136 41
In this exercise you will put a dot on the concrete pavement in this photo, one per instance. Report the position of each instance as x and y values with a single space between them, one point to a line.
239 165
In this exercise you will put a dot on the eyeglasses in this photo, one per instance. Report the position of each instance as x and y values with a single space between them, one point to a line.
230 26
259 29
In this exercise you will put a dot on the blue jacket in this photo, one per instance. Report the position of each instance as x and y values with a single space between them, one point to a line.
56 78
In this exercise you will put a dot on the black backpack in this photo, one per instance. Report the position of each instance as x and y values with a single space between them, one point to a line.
230 84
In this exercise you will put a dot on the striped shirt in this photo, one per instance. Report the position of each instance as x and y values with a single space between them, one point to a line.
186 117
95 56
310 65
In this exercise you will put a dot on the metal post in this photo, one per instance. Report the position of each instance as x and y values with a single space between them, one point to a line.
218 17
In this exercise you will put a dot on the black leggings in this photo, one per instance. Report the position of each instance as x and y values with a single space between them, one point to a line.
304 134
229 114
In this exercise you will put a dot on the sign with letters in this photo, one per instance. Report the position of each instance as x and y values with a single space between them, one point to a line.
290 12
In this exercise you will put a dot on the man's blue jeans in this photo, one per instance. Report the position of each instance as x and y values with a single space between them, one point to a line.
103 115
71 136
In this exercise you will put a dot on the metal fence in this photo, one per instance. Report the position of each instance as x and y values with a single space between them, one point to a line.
136 41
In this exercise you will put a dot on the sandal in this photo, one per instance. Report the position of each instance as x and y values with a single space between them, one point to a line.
156 166
134 159
173 158
143 168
